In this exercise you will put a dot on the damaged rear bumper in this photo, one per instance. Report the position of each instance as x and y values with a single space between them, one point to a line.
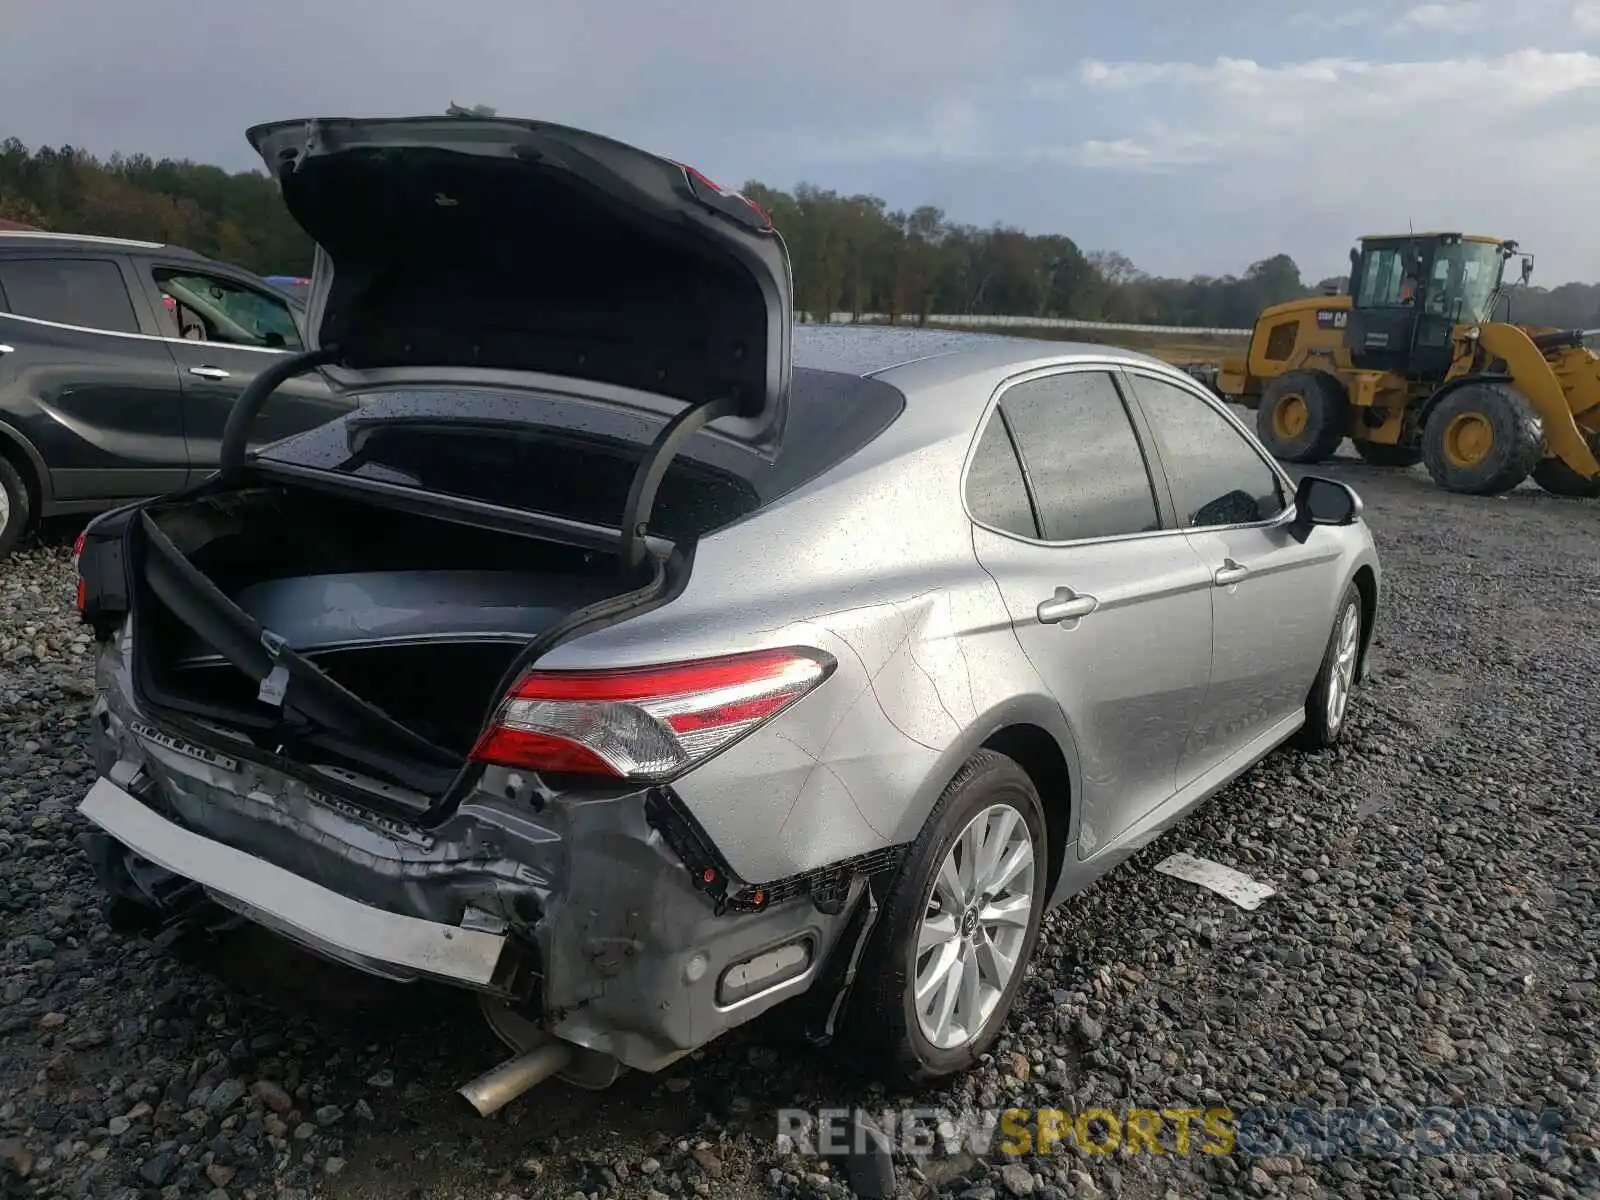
385 943
575 911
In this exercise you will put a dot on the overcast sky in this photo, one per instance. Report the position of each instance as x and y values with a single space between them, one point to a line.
1192 137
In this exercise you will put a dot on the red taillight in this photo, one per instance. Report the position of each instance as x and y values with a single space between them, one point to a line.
646 723
77 553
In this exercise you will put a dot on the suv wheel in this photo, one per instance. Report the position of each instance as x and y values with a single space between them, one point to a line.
14 506
958 927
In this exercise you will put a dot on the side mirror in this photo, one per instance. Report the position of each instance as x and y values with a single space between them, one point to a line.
1319 501
1355 261
1527 270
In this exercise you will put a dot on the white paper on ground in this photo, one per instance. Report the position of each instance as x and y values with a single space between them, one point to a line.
1225 881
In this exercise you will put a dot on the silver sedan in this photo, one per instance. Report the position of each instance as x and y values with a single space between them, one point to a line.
902 637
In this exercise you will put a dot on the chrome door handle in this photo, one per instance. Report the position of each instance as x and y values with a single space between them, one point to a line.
1065 605
4 349
1229 573
208 372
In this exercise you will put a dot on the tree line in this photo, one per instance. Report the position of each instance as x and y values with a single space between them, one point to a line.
851 253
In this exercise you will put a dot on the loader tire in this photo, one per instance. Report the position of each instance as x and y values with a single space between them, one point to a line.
1303 416
1482 439
1380 454
1555 477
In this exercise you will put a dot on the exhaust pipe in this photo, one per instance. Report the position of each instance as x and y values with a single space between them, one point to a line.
493 1090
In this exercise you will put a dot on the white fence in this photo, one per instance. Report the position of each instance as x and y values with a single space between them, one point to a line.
844 318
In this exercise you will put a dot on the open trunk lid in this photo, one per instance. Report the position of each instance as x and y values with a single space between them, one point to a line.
457 248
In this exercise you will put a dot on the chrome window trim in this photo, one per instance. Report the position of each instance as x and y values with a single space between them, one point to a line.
1116 365
140 337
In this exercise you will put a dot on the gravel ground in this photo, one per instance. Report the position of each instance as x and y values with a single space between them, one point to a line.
1433 943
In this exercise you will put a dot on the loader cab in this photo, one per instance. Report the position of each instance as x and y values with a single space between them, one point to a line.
1408 292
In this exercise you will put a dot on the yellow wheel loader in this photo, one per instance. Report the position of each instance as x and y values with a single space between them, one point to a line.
1412 367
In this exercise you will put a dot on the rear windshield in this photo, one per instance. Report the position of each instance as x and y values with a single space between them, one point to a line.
551 454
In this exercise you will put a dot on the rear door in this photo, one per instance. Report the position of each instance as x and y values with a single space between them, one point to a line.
1110 604
224 329
1272 610
85 379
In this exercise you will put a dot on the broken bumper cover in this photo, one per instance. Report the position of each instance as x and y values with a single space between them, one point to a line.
381 942
606 939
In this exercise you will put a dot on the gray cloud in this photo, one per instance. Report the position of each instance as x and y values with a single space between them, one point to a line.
692 77
1192 138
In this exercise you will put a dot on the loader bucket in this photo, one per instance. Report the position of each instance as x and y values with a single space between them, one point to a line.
1562 382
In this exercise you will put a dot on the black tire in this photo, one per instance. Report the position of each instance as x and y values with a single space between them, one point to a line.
1378 454
1555 477
1467 463
129 917
15 507
1320 400
1323 727
882 1025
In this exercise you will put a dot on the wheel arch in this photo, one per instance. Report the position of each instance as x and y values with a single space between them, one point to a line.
1038 753
1366 581
1032 731
1315 364
25 457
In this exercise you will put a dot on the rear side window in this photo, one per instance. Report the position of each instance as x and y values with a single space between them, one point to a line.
1081 456
1217 477
70 291
997 495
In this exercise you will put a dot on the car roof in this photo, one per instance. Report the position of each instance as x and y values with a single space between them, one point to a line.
38 239
938 354
958 371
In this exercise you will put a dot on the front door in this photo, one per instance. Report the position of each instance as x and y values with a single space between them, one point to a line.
225 331
1271 610
1112 609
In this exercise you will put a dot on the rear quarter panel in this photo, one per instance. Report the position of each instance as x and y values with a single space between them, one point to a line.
873 564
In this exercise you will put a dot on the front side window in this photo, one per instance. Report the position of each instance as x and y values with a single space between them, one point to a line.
205 308
1217 476
69 291
1082 458
1466 277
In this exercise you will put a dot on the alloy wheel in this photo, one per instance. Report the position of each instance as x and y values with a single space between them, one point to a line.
1342 678
974 927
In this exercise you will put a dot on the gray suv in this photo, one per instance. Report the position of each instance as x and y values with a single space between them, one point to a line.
639 661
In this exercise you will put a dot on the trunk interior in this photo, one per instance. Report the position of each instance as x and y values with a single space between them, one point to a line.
417 617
